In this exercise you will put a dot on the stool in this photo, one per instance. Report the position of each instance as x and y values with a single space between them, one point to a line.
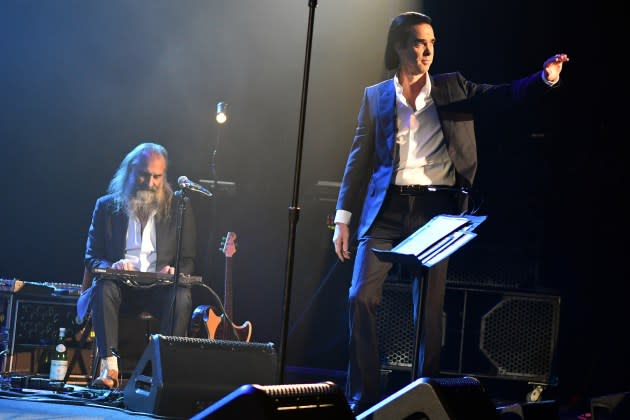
147 319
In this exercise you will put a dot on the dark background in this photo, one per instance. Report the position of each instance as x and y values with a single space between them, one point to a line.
83 82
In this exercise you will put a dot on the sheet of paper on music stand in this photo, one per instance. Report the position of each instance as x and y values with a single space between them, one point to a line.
457 240
434 241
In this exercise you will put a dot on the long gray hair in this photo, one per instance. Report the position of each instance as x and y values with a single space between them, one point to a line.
120 187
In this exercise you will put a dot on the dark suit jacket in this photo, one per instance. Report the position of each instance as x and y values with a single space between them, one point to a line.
107 239
373 155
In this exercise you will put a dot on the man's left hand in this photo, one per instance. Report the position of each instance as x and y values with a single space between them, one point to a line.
553 67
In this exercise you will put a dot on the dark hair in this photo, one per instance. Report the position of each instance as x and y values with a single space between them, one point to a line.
398 34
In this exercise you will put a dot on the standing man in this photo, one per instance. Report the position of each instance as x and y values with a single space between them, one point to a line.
134 227
414 130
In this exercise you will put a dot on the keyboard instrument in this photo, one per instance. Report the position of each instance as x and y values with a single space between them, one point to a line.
143 278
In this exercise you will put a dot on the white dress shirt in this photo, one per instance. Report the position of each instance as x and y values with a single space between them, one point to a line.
422 155
140 246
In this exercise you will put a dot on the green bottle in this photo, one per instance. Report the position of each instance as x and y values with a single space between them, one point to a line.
59 358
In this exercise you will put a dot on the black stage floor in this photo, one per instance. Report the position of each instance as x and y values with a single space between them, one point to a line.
83 402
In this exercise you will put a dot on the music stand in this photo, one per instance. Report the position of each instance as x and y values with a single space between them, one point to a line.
427 246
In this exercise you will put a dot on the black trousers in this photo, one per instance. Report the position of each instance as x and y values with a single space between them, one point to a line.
110 297
400 216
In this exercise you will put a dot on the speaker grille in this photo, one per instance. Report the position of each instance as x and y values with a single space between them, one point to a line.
216 345
395 329
517 338
300 390
38 322
487 332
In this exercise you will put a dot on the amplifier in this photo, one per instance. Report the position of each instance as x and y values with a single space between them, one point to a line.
30 325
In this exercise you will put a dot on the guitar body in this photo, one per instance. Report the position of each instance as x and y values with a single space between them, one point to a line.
207 323
210 323
204 322
227 330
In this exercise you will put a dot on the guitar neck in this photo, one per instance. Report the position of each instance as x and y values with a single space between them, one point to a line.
227 300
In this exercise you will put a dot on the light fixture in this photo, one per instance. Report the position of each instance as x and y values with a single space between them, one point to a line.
221 112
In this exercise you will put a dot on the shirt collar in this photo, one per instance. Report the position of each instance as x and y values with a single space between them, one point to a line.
424 92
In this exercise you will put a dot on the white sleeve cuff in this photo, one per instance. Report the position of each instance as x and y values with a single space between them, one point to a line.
343 216
547 82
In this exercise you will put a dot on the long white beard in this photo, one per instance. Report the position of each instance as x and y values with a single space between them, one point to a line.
143 203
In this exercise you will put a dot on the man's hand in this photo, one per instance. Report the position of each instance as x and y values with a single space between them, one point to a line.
124 265
553 67
168 269
341 239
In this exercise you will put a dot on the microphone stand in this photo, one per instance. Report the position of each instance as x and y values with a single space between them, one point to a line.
181 208
294 210
212 230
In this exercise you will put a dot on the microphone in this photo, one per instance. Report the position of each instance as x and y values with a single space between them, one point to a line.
187 184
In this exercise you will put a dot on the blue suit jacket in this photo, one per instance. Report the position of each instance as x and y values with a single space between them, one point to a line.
370 166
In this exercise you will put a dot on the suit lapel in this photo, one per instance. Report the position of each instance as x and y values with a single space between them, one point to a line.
439 92
387 112
160 232
440 95
119 224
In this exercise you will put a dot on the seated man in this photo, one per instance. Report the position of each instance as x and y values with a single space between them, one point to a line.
134 227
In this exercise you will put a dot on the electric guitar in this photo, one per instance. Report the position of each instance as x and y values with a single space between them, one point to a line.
221 327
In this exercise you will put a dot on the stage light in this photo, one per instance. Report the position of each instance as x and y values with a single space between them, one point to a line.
221 112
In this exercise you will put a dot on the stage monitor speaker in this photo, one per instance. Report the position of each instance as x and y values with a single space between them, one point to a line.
488 333
178 376
458 398
300 401
611 407
539 410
